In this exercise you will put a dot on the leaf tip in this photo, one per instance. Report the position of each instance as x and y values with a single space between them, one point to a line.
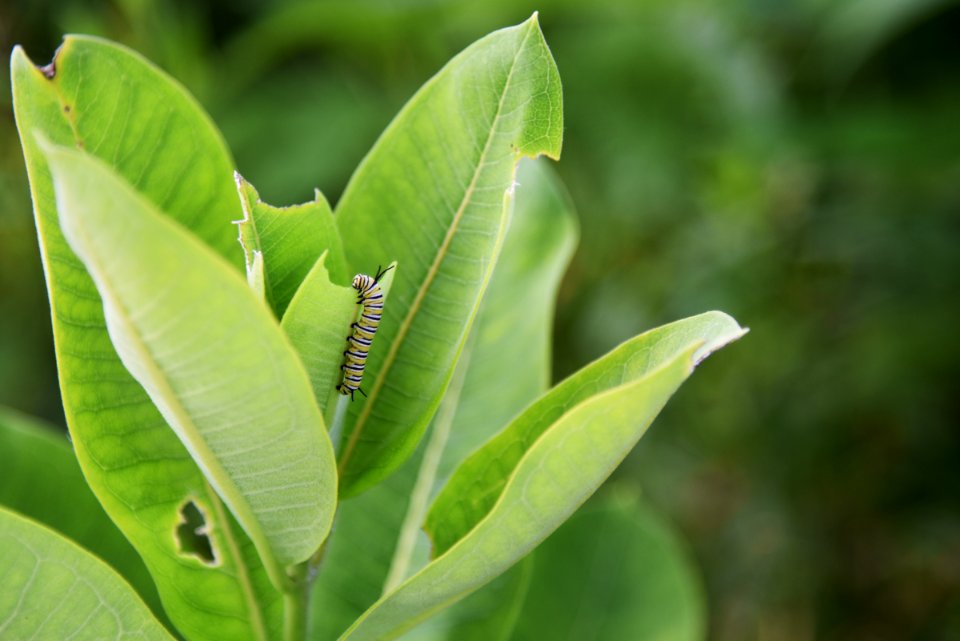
18 57
728 330
545 114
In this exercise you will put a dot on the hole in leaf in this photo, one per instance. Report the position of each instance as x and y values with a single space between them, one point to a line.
192 534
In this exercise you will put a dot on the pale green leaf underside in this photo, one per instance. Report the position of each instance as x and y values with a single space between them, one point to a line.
432 195
476 485
289 241
317 322
209 354
42 481
118 106
572 457
56 591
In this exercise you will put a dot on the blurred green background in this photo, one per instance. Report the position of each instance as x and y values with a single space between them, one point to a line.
795 163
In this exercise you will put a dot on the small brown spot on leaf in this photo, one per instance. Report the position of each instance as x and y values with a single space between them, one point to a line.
66 109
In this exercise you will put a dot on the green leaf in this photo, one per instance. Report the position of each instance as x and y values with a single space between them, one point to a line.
578 449
42 480
317 322
53 589
477 484
433 195
289 240
209 355
614 571
116 105
370 544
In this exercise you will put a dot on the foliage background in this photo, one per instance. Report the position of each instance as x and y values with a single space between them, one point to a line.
796 164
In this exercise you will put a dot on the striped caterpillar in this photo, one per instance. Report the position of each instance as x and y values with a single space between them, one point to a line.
358 343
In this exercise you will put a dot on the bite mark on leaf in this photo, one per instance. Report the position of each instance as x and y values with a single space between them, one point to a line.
192 534
50 71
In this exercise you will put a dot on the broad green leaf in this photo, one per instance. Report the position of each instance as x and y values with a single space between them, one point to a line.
116 105
41 479
614 571
54 590
288 240
476 486
211 357
577 451
433 195
370 543
317 322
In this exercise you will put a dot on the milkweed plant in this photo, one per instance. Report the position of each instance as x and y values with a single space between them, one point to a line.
224 482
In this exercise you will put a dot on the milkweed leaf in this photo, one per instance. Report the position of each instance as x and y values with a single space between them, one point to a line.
53 589
116 105
433 194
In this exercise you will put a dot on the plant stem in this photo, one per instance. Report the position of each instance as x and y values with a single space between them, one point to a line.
335 424
296 606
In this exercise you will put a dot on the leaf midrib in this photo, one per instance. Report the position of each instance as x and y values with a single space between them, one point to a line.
431 274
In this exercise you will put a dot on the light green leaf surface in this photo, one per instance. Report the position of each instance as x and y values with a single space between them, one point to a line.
54 590
317 322
616 570
121 108
210 356
476 485
433 195
41 479
575 453
289 240
365 547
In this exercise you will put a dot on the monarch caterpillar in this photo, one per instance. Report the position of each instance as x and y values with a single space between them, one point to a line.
359 342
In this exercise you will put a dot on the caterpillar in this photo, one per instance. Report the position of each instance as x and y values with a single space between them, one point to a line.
360 340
